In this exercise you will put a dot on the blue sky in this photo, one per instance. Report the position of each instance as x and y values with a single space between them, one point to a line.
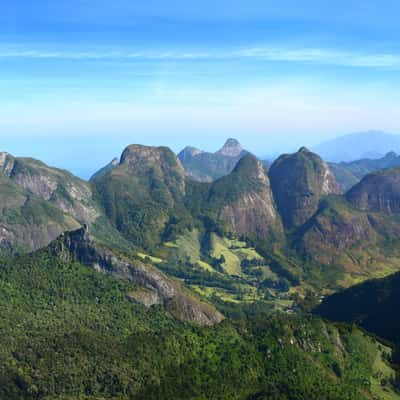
79 80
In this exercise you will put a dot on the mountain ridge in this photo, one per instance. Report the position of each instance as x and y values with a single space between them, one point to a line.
356 146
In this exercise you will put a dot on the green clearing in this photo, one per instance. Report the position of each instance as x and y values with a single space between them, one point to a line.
205 266
220 247
244 294
234 251
153 259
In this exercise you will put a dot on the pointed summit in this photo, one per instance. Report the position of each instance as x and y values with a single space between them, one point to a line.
207 167
188 153
244 202
231 148
7 162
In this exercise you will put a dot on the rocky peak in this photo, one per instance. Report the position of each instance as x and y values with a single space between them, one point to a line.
231 148
7 162
391 155
244 200
155 163
189 152
298 182
378 191
154 286
109 167
139 157
252 168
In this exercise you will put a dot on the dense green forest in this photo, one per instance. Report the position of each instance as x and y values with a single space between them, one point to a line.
68 332
371 304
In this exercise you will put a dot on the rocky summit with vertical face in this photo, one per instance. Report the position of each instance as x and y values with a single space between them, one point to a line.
244 201
299 181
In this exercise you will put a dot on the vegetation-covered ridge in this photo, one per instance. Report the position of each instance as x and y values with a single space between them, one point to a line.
154 287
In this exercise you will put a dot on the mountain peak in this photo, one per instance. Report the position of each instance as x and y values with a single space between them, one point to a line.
188 153
244 201
299 181
231 148
6 162
103 171
252 167
140 158
391 154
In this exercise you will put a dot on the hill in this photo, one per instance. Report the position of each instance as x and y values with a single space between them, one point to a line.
141 194
355 236
371 304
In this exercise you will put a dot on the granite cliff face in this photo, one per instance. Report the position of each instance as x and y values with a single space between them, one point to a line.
334 230
342 245
46 202
206 167
298 182
244 201
60 188
153 286
27 221
378 192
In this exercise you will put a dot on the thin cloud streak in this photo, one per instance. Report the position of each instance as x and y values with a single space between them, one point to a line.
269 54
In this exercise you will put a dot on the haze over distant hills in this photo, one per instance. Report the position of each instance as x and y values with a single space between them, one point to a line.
349 173
355 146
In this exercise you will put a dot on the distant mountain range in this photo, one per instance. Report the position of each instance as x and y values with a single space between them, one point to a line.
356 146
206 167
349 173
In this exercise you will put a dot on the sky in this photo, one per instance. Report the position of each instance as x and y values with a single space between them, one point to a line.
81 79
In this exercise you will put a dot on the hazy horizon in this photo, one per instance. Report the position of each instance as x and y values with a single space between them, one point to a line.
83 156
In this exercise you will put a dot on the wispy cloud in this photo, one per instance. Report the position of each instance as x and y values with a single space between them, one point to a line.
324 56
268 54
